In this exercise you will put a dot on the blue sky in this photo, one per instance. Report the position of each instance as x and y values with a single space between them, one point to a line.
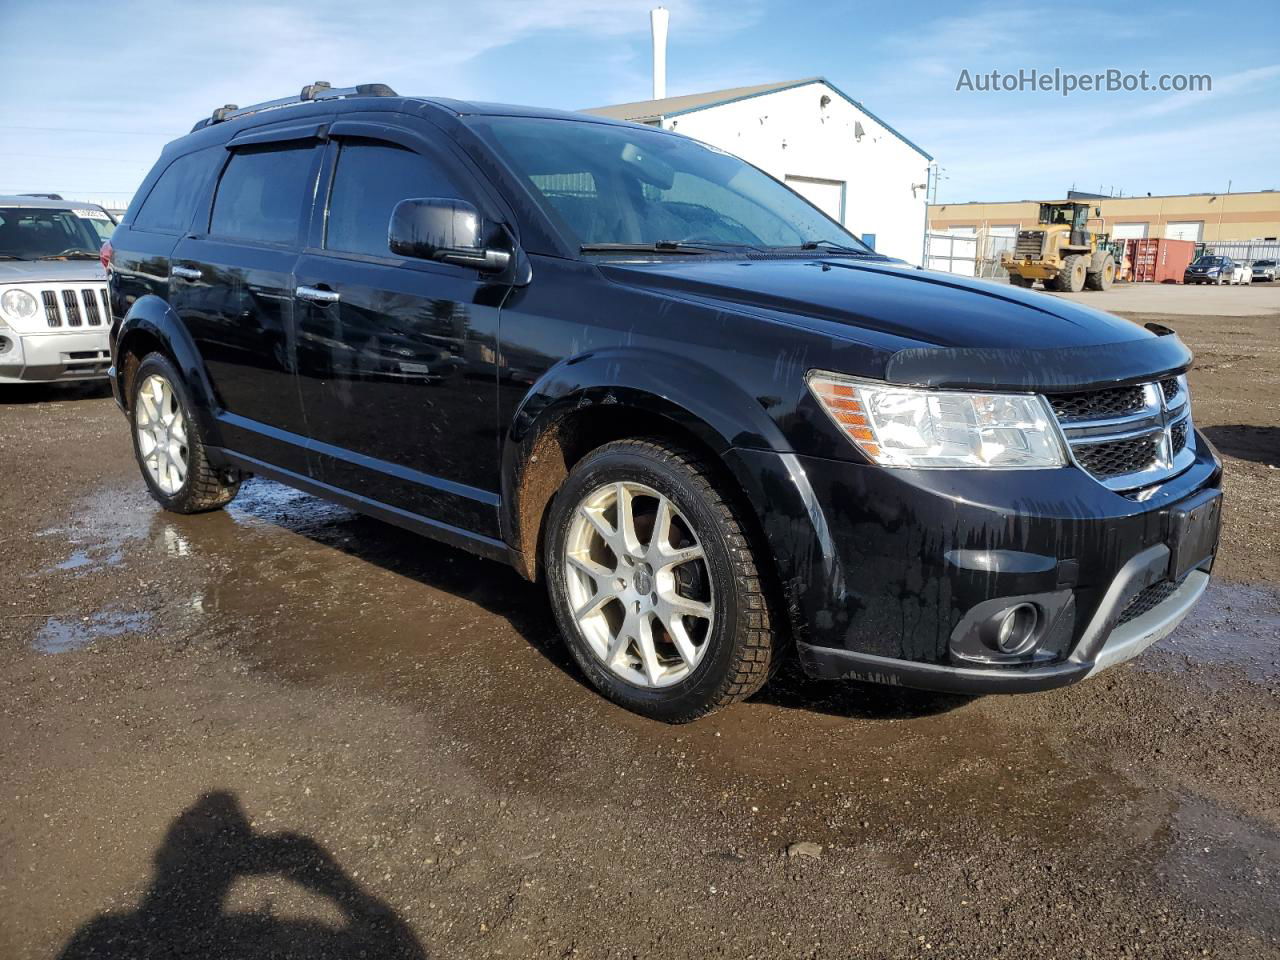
103 85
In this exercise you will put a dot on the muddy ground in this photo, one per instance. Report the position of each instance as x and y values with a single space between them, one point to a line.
286 730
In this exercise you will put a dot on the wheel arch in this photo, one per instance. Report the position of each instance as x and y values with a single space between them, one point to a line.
583 403
150 326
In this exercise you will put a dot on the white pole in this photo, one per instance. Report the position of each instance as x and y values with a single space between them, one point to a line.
658 20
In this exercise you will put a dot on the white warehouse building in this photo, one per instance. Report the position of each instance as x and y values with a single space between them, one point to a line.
820 142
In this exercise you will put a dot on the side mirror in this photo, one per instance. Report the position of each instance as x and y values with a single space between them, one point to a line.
447 231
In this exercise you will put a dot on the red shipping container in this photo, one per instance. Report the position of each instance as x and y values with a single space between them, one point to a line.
1158 260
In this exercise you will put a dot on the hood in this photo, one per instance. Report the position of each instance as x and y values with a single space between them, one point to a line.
51 271
936 329
930 308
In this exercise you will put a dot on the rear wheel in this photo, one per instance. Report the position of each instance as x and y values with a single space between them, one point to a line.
1103 277
654 582
168 445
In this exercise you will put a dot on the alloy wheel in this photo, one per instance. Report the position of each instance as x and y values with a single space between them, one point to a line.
638 584
162 434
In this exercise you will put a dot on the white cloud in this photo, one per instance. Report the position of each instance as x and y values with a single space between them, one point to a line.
1233 84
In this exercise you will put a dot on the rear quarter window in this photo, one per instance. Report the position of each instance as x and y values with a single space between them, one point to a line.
172 201
263 193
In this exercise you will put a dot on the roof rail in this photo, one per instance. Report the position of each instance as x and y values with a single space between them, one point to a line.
320 90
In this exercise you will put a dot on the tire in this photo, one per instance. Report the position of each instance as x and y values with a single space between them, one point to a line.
1019 281
669 681
197 488
1071 277
1104 277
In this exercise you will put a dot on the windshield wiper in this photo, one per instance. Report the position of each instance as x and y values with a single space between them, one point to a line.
70 254
9 256
661 246
833 247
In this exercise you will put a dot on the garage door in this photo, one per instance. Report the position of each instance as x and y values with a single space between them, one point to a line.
1129 231
1184 230
826 195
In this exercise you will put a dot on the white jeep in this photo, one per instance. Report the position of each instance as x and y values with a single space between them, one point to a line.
54 318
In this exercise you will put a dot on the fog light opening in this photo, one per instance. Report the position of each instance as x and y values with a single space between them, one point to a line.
1015 629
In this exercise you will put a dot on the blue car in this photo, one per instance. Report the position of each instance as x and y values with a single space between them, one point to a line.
1209 269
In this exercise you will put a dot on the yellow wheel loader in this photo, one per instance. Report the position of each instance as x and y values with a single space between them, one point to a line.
1062 251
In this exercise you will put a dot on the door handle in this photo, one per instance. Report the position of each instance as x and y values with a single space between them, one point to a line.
317 295
186 273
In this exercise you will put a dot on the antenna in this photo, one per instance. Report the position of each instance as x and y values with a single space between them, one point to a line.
658 18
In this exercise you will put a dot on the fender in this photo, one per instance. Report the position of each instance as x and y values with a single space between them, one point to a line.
152 316
704 403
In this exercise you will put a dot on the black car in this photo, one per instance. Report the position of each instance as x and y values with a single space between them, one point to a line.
718 426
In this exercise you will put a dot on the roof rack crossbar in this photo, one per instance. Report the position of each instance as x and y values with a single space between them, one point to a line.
320 90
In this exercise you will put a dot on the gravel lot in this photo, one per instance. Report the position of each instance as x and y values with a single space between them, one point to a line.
286 730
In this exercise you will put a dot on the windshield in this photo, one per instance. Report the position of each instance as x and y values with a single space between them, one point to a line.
35 233
605 184
1210 262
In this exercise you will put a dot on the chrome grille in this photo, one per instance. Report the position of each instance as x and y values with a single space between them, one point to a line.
1128 437
1098 404
1115 458
76 306
91 311
71 308
51 314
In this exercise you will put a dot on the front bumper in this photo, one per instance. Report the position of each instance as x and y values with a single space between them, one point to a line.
1031 269
883 570
1102 646
48 357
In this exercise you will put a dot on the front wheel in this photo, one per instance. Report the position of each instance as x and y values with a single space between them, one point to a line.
168 445
1071 274
655 584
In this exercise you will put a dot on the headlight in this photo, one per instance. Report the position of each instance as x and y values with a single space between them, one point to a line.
18 304
909 427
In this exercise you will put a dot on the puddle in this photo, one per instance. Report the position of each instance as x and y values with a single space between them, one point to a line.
107 521
59 635
264 503
1233 625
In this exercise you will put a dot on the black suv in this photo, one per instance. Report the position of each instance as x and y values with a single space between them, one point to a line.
715 423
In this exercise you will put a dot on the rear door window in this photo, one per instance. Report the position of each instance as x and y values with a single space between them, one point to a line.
171 202
263 193
371 178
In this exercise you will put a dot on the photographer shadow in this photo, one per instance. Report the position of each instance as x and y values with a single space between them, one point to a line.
183 914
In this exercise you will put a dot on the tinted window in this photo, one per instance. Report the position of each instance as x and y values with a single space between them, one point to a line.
172 200
370 180
262 193
611 183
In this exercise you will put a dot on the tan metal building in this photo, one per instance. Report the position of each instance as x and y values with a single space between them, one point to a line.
1203 217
